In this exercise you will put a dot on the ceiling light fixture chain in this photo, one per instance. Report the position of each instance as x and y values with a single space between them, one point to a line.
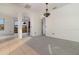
47 13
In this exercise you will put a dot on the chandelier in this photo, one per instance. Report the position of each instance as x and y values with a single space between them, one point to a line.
47 13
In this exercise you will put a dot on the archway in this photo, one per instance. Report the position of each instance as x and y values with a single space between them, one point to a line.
25 26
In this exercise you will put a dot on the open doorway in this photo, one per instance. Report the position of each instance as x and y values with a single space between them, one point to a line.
25 27
43 26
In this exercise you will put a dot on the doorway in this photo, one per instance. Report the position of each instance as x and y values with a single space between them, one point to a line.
25 27
43 26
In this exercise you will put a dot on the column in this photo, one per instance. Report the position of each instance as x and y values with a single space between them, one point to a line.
20 27
27 27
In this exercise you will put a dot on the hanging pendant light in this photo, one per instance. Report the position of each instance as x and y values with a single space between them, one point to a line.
24 23
47 13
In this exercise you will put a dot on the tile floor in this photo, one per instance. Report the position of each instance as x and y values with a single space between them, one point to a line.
16 47
53 46
40 45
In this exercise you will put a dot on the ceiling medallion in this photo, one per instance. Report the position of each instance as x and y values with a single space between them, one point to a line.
47 13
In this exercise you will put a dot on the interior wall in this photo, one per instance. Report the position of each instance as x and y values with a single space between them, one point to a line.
64 23
8 26
35 24
8 11
13 10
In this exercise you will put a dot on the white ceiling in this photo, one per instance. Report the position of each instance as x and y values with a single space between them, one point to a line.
40 6
14 8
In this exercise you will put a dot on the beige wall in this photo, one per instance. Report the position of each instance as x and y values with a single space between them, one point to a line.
64 23
35 19
12 11
8 26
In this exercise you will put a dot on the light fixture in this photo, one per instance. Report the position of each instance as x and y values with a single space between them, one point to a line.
24 23
47 13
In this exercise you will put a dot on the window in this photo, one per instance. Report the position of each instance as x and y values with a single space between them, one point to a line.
1 24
